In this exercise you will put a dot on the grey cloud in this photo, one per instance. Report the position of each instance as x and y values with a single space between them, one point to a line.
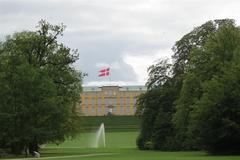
104 31
92 53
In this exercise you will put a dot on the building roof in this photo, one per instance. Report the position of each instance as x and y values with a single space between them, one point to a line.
121 88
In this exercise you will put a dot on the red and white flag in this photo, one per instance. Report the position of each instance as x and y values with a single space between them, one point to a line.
104 72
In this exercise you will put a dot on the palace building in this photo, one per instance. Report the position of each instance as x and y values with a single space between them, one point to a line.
110 100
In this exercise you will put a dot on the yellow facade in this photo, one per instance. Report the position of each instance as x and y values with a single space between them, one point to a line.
110 100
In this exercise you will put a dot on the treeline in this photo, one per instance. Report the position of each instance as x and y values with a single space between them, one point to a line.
193 103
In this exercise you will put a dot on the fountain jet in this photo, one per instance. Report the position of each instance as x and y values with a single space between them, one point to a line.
100 137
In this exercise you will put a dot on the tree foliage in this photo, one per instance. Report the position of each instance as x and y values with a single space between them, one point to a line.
156 109
188 57
214 115
39 89
194 39
201 93
159 73
156 113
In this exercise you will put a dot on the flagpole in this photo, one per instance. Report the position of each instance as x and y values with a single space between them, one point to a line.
109 79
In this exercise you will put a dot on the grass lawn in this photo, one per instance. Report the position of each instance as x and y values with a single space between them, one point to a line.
119 146
127 154
112 123
113 140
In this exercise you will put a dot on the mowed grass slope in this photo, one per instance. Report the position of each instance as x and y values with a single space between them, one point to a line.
112 123
113 140
120 144
121 132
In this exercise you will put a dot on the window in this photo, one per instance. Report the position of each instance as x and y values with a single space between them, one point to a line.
110 101
86 101
93 101
134 101
121 101
99 109
114 101
106 101
110 93
99 101
128 101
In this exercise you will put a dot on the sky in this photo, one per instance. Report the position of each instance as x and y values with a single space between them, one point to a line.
126 35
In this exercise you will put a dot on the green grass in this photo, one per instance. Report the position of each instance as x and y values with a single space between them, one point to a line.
129 154
113 140
122 145
121 137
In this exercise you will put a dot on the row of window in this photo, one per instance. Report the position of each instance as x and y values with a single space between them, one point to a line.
95 107
101 110
114 93
110 94
109 101
100 96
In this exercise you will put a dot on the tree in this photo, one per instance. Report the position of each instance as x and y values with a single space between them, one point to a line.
194 39
156 109
182 96
213 118
147 104
159 73
39 89
190 82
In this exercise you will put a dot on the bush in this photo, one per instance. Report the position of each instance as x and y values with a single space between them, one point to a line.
140 142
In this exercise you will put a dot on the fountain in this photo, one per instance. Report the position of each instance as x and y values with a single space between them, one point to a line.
100 137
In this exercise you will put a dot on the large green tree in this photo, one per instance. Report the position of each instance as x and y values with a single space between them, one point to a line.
215 110
194 39
156 109
39 89
189 87
174 109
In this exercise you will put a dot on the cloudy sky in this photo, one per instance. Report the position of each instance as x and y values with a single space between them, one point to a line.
127 35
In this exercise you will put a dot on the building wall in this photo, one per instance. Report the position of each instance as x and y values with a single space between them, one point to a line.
100 101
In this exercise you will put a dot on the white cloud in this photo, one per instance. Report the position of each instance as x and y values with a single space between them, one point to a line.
142 62
113 65
102 65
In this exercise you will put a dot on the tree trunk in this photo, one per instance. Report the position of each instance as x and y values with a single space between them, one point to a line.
33 146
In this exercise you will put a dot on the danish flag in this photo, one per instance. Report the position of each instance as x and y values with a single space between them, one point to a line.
104 72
